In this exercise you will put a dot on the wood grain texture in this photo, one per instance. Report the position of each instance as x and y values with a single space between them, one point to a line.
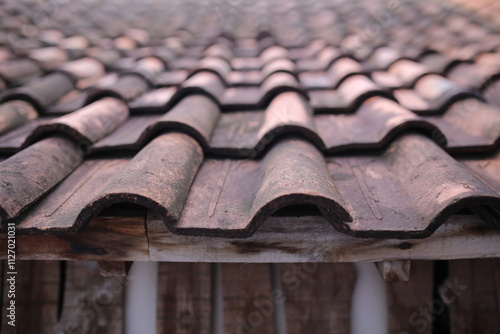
93 304
248 298
472 292
184 298
279 239
313 239
318 297
406 299
105 238
37 297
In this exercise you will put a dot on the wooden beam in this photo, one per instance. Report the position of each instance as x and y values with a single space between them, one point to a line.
313 239
103 239
279 239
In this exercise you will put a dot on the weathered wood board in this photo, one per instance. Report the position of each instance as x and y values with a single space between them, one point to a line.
248 300
472 292
318 297
279 240
37 297
184 298
313 239
406 299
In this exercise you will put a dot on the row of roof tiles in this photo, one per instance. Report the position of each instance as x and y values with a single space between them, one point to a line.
317 56
315 17
353 26
106 125
406 191
182 108
86 75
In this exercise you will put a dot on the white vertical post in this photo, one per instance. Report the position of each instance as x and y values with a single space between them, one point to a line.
369 313
140 298
279 306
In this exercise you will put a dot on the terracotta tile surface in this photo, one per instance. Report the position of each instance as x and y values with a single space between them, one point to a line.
216 114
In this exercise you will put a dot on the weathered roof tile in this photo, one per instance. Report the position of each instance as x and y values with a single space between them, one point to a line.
384 117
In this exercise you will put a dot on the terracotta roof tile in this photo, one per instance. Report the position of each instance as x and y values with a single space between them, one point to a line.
14 114
41 92
87 125
55 159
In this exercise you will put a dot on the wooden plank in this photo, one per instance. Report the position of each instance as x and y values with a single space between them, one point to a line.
93 304
248 299
184 298
406 299
279 239
105 238
318 297
37 297
472 293
313 239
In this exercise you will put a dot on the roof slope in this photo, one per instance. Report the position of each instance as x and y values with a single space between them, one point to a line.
384 116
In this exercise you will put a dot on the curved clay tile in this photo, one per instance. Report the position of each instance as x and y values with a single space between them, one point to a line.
383 57
247 134
49 57
386 79
31 173
154 101
272 53
374 124
477 76
84 68
128 87
408 71
158 177
278 65
19 71
246 64
206 83
408 191
219 50
259 97
86 125
218 66
258 77
439 93
470 125
240 194
440 63
12 142
348 97
342 69
323 60
43 91
14 114
195 115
